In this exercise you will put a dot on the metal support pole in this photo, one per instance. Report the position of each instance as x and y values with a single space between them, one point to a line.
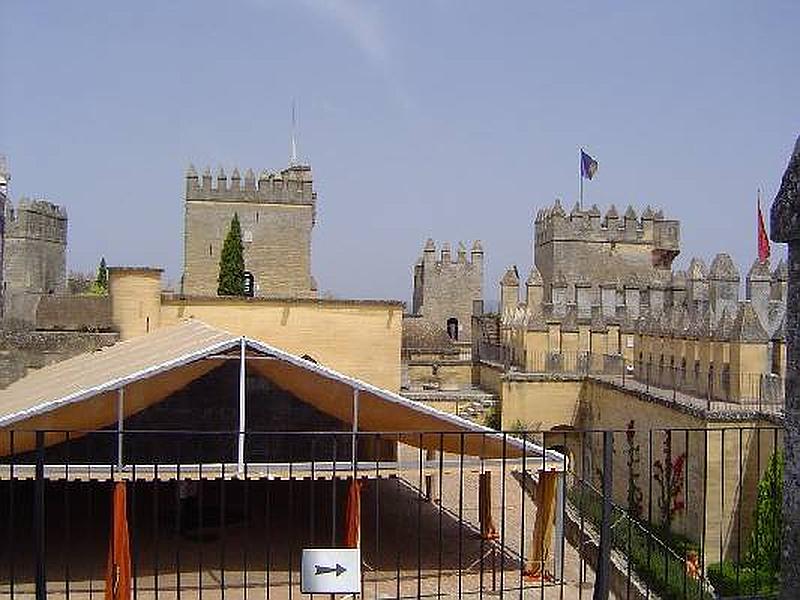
120 418
39 520
604 555
354 440
242 396
558 553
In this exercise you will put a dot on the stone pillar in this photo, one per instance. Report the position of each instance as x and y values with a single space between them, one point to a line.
785 227
509 291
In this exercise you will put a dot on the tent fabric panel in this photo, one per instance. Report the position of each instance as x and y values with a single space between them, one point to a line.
334 398
100 411
109 367
376 413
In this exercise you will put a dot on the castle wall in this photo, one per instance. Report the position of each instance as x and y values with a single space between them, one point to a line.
581 247
74 313
540 405
358 338
446 288
21 351
276 217
720 488
34 255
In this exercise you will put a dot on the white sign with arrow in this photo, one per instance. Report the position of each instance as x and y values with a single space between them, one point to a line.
331 571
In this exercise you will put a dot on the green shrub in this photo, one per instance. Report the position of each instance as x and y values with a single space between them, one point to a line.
728 580
493 416
658 557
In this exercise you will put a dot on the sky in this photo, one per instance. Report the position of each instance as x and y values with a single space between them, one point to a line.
455 120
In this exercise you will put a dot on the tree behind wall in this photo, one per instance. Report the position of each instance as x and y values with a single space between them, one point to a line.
101 280
231 262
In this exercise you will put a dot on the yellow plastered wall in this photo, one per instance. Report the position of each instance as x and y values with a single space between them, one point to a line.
747 363
358 339
535 351
722 469
488 378
448 376
540 405
135 300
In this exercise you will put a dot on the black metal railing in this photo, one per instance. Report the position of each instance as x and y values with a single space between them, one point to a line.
441 514
716 385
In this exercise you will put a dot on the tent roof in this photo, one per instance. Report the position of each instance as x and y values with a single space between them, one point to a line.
171 348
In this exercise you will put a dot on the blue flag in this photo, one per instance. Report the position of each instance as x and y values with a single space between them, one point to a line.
588 166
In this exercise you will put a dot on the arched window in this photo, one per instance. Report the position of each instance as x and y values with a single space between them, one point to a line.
249 284
452 328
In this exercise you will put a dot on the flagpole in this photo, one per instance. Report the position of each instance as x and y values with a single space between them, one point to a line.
580 179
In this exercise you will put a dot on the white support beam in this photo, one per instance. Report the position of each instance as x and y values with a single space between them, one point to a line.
242 407
354 444
120 419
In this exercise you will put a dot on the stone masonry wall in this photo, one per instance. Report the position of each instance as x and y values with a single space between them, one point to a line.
21 351
583 247
34 254
445 289
276 216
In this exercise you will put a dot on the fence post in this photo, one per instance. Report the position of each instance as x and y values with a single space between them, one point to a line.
604 555
39 520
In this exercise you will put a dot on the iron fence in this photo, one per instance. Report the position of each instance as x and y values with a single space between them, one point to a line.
633 512
717 385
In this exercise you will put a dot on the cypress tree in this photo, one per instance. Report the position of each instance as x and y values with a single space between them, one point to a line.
231 262
101 281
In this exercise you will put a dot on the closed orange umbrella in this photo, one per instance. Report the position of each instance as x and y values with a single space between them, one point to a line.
118 570
543 525
352 515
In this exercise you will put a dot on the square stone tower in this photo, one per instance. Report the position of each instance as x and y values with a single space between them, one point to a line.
445 291
583 249
277 213
34 255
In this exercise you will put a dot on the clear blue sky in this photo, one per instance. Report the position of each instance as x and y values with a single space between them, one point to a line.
449 119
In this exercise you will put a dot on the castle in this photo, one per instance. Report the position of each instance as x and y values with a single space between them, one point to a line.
277 212
613 300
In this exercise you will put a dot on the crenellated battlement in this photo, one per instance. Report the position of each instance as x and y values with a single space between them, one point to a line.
447 261
36 220
293 185
554 224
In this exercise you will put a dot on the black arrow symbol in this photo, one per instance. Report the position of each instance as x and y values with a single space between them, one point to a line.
338 569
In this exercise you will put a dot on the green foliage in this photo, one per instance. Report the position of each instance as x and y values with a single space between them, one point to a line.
766 538
231 262
99 287
494 417
759 573
519 426
731 580
633 459
658 557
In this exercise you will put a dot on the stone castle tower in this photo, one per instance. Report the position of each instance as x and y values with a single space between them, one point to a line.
445 291
5 179
277 212
577 253
34 255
